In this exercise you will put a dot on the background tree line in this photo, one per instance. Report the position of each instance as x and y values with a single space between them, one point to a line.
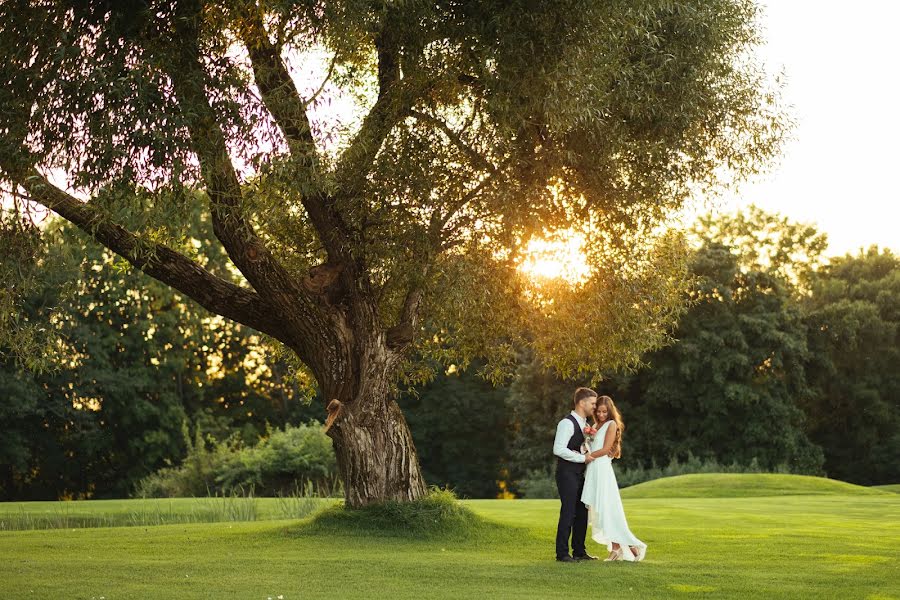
781 361
135 369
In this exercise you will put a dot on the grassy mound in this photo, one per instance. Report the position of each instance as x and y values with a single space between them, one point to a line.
741 485
439 515
893 488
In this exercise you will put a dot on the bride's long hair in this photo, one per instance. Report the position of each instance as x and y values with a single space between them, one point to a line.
611 413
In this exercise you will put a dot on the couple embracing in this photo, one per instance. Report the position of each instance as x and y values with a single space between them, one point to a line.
587 484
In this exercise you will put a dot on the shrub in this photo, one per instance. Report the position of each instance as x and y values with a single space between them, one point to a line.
278 464
539 484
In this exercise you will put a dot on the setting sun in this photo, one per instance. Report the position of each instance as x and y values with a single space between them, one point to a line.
560 257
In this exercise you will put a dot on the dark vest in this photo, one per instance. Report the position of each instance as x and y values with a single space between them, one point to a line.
575 445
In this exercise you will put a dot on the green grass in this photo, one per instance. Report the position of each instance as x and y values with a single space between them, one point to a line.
893 488
153 511
804 546
744 485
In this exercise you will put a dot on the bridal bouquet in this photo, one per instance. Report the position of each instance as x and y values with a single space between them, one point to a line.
589 433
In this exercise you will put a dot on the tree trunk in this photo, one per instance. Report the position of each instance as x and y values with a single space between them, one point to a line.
375 452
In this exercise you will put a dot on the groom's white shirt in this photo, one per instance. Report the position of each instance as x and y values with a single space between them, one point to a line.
564 432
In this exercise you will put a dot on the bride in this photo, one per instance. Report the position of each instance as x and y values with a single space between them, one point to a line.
601 492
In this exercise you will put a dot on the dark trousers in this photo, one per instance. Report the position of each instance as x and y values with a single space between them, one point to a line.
573 514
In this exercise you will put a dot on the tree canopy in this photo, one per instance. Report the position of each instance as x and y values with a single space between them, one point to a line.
487 123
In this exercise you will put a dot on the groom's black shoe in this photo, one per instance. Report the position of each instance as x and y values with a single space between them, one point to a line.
584 556
565 558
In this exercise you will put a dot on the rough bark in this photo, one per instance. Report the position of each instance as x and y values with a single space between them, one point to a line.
376 455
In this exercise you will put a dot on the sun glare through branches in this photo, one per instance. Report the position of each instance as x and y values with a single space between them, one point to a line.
560 257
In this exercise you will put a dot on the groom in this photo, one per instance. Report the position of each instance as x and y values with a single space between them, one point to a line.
570 467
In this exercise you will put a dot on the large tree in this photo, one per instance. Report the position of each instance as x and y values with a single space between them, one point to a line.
853 317
481 125
730 388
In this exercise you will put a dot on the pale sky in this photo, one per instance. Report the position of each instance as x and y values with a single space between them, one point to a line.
843 79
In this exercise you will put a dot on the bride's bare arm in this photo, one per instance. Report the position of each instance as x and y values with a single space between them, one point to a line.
608 441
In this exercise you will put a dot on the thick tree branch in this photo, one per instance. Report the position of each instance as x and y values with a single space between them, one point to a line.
402 334
313 327
278 91
396 96
246 249
160 262
284 103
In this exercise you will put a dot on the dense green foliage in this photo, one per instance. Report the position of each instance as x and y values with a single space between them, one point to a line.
460 427
730 388
732 385
283 462
780 362
537 401
137 366
853 316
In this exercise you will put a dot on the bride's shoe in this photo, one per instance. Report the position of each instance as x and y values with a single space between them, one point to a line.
614 555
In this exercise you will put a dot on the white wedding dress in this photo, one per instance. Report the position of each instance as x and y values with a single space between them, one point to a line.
606 515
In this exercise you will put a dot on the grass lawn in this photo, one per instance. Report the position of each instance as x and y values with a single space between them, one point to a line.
152 511
827 545
893 487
